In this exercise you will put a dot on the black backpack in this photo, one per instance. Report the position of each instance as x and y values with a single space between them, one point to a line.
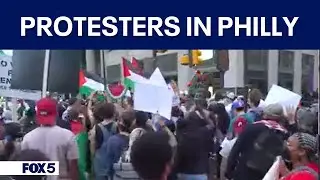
269 144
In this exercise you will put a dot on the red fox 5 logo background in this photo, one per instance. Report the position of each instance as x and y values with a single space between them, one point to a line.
40 168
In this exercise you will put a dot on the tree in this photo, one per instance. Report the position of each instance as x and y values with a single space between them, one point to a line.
198 87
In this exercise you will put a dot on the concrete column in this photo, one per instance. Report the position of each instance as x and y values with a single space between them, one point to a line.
234 77
185 73
273 65
297 68
90 61
316 71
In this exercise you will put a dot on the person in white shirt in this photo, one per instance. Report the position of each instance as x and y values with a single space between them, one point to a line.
227 145
57 143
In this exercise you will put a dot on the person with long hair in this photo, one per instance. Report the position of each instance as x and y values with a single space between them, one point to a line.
194 137
10 146
222 117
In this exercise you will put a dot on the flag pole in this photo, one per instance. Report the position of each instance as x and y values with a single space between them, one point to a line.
103 69
45 73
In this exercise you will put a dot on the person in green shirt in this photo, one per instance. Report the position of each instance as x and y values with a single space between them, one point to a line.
78 127
238 108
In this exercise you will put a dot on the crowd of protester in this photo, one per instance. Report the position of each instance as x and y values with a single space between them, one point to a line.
94 138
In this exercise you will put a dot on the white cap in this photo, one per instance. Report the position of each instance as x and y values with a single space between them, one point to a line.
231 95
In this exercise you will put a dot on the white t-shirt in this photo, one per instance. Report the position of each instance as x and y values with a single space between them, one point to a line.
57 143
226 146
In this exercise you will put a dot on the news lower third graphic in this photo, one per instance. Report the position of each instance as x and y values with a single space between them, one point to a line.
155 26
47 168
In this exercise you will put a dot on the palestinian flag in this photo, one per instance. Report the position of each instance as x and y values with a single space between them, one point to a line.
82 141
87 85
129 69
116 91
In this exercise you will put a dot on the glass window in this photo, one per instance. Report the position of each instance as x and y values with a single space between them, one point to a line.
168 79
286 69
307 73
167 63
256 69
113 73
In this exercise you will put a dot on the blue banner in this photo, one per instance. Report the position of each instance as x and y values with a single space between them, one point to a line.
165 24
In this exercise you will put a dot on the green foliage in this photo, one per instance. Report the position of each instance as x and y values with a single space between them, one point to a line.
197 86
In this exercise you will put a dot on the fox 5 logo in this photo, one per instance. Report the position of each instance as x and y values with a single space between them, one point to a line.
40 168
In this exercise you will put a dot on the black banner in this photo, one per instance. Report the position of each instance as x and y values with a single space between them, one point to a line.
63 75
27 69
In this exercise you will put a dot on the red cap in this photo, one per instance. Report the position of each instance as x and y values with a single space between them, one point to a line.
239 124
46 111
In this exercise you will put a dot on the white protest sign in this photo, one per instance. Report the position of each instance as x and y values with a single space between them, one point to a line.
145 98
154 97
262 103
5 82
165 102
282 96
157 78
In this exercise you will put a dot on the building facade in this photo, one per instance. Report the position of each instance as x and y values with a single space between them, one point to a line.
297 70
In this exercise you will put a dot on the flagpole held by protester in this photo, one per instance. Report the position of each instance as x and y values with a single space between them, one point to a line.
45 73
103 69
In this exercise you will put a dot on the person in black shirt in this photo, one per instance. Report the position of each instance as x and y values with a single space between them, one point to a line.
250 157
195 142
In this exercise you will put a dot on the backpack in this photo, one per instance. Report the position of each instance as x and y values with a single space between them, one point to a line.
240 118
124 169
112 128
256 115
269 144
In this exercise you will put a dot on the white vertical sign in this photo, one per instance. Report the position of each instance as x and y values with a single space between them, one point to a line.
5 82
